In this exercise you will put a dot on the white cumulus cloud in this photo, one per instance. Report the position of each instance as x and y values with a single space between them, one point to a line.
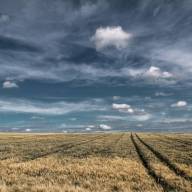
130 110
123 107
104 127
111 37
88 129
156 72
9 84
120 106
179 104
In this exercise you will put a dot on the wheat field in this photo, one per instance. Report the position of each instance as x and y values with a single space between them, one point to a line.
102 162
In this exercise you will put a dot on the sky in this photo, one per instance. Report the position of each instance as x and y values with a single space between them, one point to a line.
95 65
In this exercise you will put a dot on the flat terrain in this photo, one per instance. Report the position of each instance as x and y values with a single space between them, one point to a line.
96 162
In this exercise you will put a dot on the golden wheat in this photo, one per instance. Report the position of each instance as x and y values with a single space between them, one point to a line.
91 162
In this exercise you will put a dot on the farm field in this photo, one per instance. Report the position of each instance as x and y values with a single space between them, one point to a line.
101 162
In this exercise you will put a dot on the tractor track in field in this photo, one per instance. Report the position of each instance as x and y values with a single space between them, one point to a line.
186 143
106 147
177 145
56 149
84 153
66 146
14 143
157 178
119 139
166 161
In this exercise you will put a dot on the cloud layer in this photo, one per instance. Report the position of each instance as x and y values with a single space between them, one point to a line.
66 27
59 108
58 57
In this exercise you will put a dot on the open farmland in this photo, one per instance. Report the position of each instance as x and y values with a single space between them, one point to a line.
96 162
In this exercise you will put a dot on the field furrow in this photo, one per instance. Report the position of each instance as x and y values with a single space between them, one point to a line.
166 160
158 179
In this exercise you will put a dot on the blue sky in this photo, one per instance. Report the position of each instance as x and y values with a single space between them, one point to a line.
75 66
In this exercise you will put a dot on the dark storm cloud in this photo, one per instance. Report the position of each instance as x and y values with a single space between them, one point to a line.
12 44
